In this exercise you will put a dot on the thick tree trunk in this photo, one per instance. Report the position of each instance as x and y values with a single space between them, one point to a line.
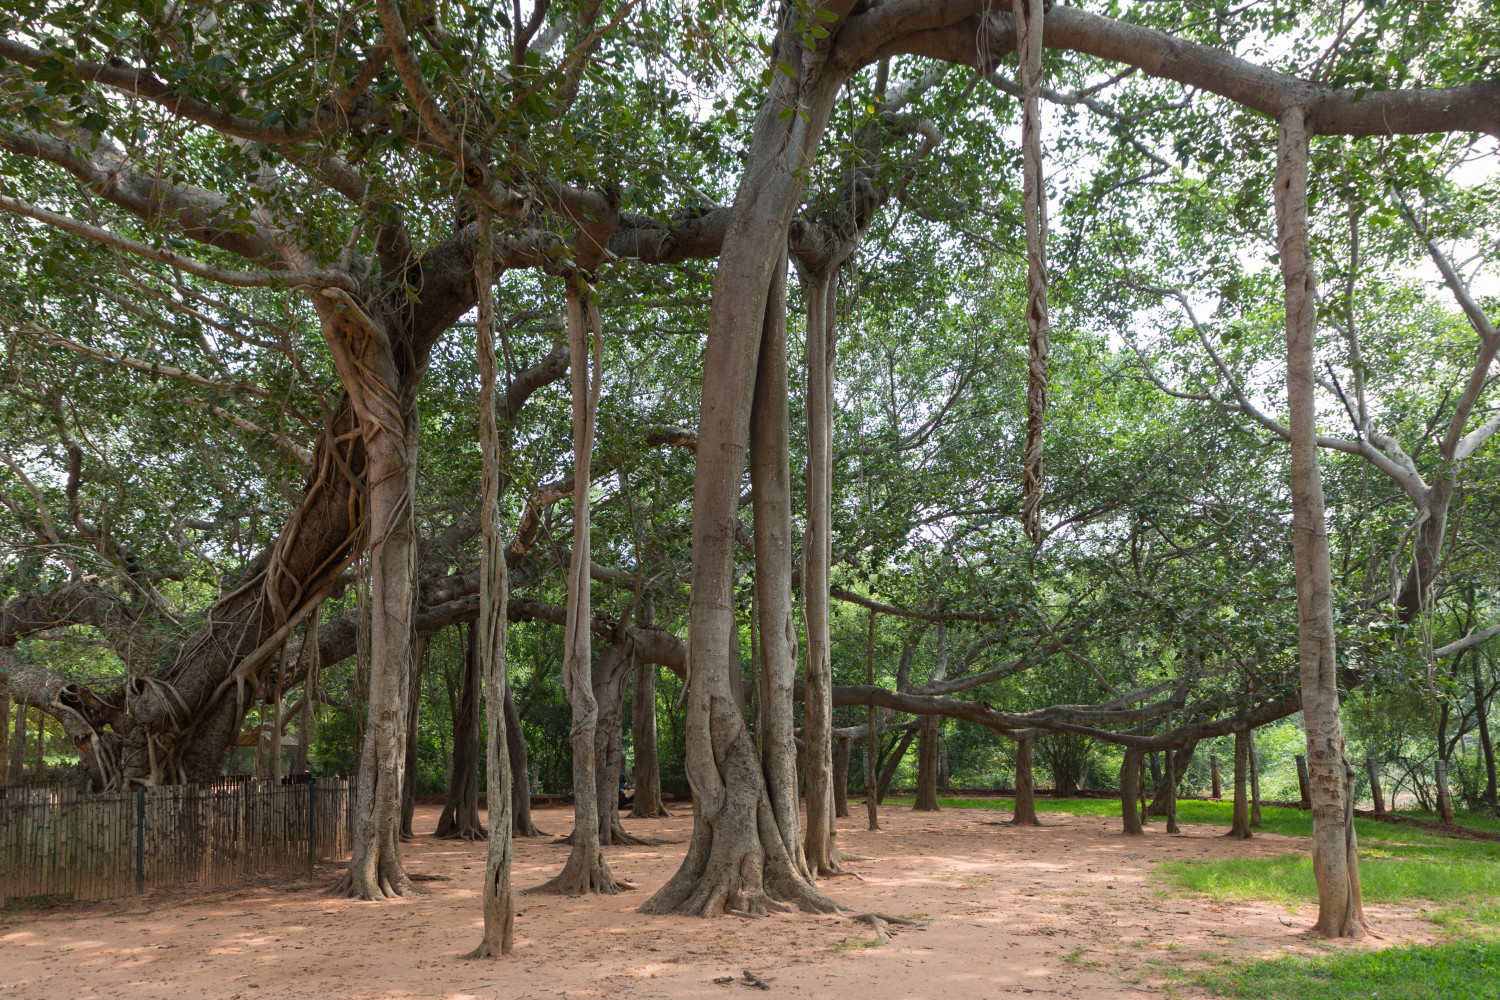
1335 853
586 870
520 770
737 860
1025 811
460 816
1215 789
648 801
1240 828
1130 783
414 716
389 427
498 902
841 748
817 555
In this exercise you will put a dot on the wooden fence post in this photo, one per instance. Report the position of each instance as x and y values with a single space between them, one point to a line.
140 841
1306 802
1372 768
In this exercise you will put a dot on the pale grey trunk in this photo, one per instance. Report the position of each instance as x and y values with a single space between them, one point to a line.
648 801
817 555
1335 857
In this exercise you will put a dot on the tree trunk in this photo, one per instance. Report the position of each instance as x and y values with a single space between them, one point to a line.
1216 791
872 743
1335 852
586 870
1444 797
892 762
1130 782
648 801
1174 761
414 716
927 761
1482 710
1175 765
1240 828
611 672
771 483
389 427
520 770
5 732
1303 790
1372 770
817 556
1154 760
498 903
737 859
460 816
841 748
1027 16
1025 811
307 717
1254 783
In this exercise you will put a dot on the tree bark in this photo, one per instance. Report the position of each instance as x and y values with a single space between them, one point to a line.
388 425
1304 792
1372 771
1486 745
1240 827
611 671
1216 791
498 902
1254 783
1335 852
414 715
1174 761
872 742
737 860
1028 16
1444 797
648 801
1130 781
586 870
520 770
460 817
892 762
817 549
841 748
5 732
1025 811
931 732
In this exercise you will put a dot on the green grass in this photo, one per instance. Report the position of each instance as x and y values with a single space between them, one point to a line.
1463 970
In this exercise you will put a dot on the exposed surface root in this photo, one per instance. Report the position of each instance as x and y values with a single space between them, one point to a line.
881 922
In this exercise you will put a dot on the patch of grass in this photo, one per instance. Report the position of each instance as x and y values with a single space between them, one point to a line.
1466 970
855 944
42 902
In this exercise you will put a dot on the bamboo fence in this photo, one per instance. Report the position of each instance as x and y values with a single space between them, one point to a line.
61 843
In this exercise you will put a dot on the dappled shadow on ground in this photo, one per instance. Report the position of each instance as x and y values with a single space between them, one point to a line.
1064 910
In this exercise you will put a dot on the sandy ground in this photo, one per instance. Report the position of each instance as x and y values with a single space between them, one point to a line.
1067 910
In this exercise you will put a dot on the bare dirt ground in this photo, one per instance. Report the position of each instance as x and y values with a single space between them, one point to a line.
1066 910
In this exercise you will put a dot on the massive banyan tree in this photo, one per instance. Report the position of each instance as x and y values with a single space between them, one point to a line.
392 173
